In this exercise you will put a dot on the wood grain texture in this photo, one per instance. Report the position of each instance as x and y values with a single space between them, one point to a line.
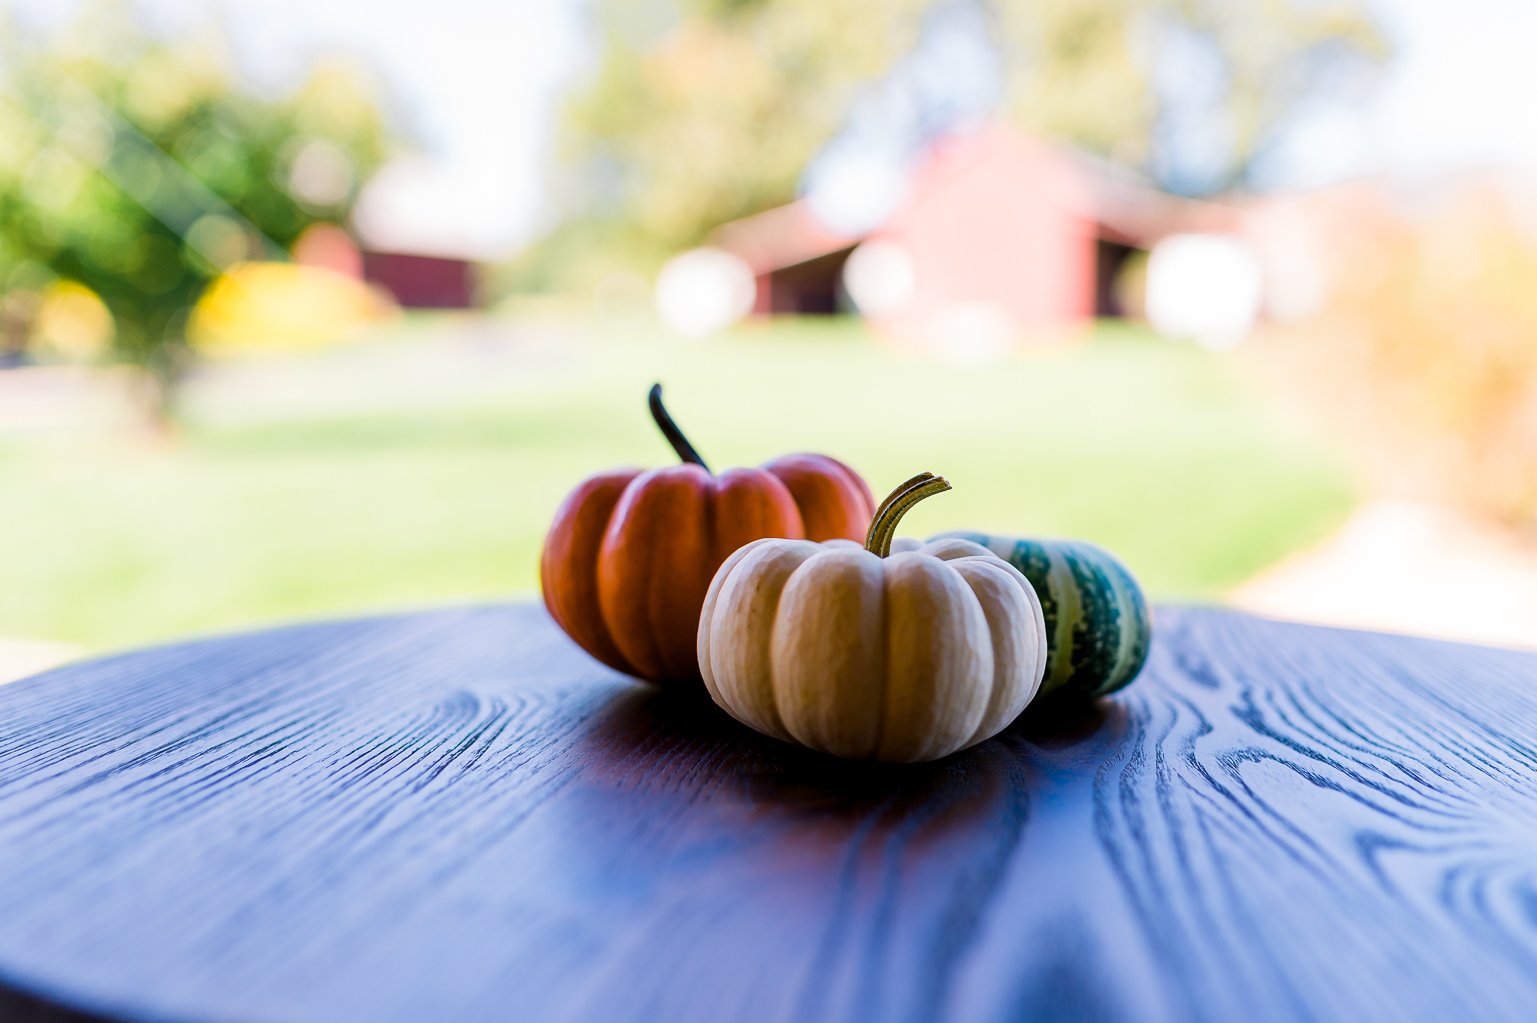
458 816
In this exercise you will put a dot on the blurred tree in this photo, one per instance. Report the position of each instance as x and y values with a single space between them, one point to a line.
704 110
138 169
1135 80
700 112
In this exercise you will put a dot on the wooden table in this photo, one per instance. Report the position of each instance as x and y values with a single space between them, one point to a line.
459 816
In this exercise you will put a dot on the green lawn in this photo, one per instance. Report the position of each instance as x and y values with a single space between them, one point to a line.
1155 450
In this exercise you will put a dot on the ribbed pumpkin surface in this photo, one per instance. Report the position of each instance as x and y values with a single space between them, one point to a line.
1098 625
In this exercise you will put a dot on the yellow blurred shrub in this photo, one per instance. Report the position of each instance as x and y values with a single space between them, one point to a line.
283 307
1424 353
72 323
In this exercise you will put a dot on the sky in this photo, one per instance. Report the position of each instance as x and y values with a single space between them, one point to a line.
1462 90
476 83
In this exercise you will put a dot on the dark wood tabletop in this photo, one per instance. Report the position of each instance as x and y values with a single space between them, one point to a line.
459 816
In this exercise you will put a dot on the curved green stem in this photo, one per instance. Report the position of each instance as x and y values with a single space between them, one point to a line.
921 477
883 528
670 429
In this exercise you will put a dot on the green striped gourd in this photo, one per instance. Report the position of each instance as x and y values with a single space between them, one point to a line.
1098 626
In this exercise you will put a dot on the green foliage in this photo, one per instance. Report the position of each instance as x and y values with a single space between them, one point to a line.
140 170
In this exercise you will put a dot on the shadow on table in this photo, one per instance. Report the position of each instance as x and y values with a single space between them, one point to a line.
19 1007
649 741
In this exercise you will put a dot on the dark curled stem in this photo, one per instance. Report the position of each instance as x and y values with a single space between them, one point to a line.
670 429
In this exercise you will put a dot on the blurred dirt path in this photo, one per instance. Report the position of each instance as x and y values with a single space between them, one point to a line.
456 359
428 362
1402 566
22 657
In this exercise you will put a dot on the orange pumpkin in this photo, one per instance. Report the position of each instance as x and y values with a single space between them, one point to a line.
631 553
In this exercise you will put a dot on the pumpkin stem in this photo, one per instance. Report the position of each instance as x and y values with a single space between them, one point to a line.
670 429
920 478
883 528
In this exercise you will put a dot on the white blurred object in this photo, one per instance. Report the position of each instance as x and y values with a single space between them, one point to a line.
430 207
880 277
704 290
855 195
971 333
320 173
1206 287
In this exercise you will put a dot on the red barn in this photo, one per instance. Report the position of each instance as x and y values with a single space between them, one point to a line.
1000 239
997 235
419 281
796 260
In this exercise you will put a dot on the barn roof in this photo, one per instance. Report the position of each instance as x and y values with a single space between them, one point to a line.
781 237
1122 206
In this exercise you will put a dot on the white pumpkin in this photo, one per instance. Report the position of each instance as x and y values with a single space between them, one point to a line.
895 651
